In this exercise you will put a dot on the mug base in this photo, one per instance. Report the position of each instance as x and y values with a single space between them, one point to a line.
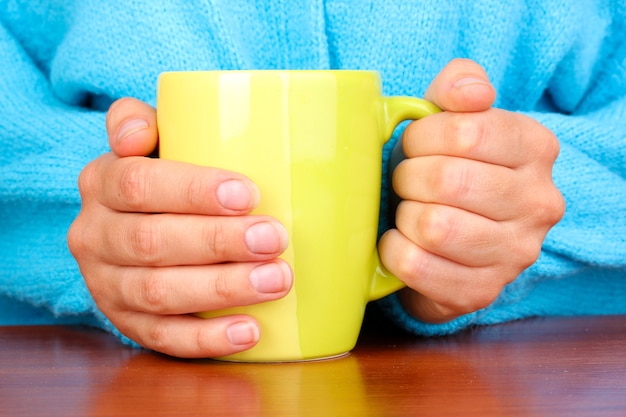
275 361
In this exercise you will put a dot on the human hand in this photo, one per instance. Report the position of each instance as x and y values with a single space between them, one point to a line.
157 240
477 198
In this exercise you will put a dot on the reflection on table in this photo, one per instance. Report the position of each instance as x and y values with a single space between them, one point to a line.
555 366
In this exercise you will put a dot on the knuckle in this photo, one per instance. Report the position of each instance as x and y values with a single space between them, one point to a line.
434 227
465 134
204 342
158 337
76 240
546 146
153 293
450 182
87 180
549 209
524 251
222 289
557 205
81 240
215 239
145 239
410 265
551 146
194 191
528 254
530 257
134 184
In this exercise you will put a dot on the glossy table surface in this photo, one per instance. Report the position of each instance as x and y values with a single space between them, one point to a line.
537 367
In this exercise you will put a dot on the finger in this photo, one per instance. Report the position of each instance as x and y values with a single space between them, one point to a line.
426 309
189 336
191 289
494 136
454 289
138 184
458 235
131 126
488 190
462 86
170 239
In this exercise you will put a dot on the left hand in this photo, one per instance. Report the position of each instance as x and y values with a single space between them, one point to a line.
477 198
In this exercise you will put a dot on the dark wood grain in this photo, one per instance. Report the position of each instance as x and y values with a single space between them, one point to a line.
539 367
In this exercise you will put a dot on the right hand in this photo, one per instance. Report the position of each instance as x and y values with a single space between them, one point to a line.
157 240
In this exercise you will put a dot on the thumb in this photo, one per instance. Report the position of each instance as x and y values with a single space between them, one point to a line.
462 86
131 126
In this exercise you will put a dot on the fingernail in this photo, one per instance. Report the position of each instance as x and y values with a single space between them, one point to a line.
469 80
242 333
130 127
237 195
266 237
270 278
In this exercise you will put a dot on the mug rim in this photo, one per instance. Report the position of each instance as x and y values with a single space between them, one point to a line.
273 71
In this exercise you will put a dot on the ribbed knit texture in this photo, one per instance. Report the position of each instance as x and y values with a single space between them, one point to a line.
563 63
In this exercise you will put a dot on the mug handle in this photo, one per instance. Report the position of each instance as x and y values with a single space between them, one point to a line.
395 110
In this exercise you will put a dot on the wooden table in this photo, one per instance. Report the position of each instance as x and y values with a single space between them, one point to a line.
551 367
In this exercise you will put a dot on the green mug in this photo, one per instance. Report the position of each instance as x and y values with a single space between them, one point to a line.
312 142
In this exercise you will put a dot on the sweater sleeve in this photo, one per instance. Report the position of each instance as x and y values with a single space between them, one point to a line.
45 144
63 63
582 266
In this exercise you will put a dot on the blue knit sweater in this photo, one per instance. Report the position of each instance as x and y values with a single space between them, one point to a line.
63 62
